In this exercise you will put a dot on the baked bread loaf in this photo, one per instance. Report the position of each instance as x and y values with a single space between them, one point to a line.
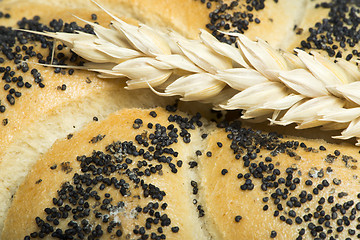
153 174
41 104
145 160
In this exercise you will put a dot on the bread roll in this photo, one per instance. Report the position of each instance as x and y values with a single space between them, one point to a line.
150 163
218 183
61 101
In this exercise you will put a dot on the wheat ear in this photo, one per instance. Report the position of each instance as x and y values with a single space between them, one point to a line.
284 88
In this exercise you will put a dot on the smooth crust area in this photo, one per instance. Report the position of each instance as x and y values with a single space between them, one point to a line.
338 166
43 182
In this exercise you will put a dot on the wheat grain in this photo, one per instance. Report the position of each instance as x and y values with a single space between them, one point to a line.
284 88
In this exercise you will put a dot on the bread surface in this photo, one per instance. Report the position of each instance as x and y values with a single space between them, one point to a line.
277 210
45 179
232 183
68 102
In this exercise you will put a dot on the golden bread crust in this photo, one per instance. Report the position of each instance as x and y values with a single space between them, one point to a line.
43 182
210 194
337 165
42 115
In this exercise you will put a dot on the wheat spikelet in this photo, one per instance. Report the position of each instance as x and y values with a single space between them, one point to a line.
306 89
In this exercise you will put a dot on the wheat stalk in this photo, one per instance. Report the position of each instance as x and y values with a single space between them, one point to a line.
284 88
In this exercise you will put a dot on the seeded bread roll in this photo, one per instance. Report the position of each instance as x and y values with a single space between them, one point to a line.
124 178
39 106
144 174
